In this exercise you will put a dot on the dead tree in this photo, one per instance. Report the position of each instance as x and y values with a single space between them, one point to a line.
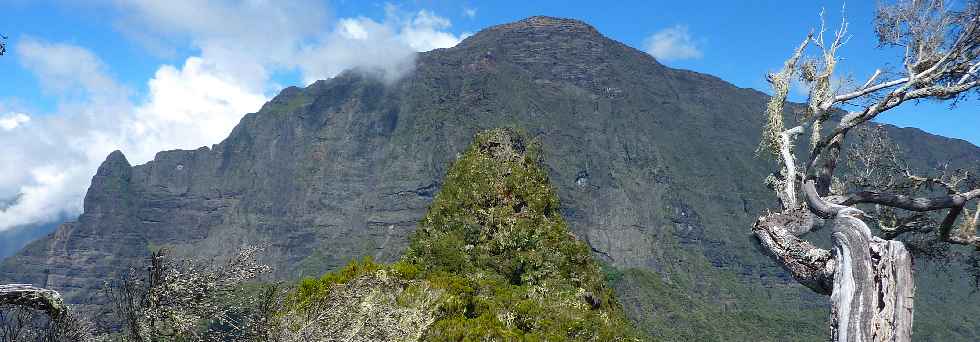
171 299
868 278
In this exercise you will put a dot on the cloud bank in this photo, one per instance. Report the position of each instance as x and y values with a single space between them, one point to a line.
388 46
197 103
54 156
11 120
672 43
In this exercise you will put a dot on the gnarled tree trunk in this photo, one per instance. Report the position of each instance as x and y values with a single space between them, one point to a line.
873 285
868 279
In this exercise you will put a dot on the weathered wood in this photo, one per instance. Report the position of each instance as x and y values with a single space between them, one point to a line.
811 266
853 296
920 204
895 290
873 290
26 295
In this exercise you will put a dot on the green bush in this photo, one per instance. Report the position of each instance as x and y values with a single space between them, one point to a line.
495 244
309 291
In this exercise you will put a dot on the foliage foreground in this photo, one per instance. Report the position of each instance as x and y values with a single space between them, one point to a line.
491 260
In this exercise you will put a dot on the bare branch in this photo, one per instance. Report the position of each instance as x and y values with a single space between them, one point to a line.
968 241
789 166
902 225
871 79
948 185
175 296
948 222
811 266
771 143
868 89
818 205
972 72
919 204
967 234
941 63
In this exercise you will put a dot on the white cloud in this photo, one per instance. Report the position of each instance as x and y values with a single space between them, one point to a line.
240 45
424 32
11 120
388 46
469 12
56 154
672 43
47 196
357 42
243 40
65 69
187 108
248 41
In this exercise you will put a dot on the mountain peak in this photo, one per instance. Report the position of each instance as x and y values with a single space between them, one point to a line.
541 21
109 186
115 163
542 26
557 50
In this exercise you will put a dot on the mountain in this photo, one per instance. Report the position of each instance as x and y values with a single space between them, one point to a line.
654 167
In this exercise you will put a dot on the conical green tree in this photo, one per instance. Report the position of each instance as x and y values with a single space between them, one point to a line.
494 236
495 250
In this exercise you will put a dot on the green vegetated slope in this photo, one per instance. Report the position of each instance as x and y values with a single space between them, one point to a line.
491 260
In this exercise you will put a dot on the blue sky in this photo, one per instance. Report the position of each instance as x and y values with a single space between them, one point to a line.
82 78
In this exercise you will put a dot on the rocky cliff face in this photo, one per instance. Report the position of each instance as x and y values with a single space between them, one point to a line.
654 167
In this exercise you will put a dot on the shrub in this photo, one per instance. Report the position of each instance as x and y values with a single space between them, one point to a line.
494 244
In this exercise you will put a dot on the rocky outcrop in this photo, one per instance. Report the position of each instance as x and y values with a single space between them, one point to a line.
369 308
24 295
